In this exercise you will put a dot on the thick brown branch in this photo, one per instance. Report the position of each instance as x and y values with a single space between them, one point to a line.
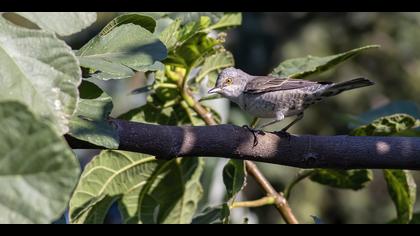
306 151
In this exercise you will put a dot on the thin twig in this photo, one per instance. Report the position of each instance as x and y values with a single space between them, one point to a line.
268 200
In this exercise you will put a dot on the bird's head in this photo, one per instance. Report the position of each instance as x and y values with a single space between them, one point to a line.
230 83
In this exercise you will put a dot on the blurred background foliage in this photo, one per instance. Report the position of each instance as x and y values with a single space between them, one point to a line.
260 44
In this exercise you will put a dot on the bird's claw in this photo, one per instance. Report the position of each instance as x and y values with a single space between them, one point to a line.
254 133
283 134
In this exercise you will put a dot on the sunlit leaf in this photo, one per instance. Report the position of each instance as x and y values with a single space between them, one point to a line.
228 20
215 62
402 189
142 20
387 125
406 107
39 70
305 66
129 46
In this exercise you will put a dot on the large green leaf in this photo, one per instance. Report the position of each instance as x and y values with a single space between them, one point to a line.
112 70
387 125
215 62
304 66
228 20
62 23
172 199
346 179
130 46
38 170
39 70
90 122
140 19
169 35
402 189
234 177
147 190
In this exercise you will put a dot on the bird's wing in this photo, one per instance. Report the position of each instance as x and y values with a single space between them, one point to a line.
268 84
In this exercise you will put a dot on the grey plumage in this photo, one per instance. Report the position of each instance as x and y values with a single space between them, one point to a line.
274 97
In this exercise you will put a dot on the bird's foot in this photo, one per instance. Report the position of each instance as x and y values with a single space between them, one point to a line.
283 134
254 133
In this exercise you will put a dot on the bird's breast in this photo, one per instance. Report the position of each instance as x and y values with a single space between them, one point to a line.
266 105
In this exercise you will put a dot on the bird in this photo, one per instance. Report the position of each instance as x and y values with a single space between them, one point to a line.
277 97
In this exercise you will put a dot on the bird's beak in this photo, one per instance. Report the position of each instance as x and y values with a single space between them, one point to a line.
215 90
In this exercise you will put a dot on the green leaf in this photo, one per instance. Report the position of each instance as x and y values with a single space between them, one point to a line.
155 112
387 125
402 189
147 190
414 220
38 170
129 46
168 35
228 20
173 200
305 66
193 28
39 70
188 17
210 215
151 114
113 70
193 51
62 23
345 179
215 62
234 177
90 122
139 19
154 15
406 107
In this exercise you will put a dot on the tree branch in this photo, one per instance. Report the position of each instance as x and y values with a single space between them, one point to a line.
306 151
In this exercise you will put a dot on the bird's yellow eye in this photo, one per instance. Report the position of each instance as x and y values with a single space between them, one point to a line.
228 81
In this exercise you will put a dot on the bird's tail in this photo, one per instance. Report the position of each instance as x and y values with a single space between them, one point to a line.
335 89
